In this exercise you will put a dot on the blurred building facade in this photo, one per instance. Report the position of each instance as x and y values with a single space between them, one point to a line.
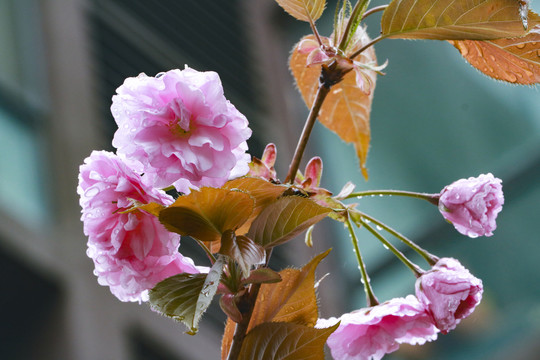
60 63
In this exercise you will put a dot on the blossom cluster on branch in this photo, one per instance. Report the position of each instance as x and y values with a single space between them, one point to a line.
181 168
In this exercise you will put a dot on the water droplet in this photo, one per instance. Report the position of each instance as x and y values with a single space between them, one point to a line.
91 192
158 75
362 280
379 227
386 247
472 235
381 195
520 46
538 53
367 221
512 78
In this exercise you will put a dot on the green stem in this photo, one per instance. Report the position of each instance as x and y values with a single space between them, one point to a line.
363 48
371 299
432 198
358 10
306 132
207 251
374 10
414 268
430 258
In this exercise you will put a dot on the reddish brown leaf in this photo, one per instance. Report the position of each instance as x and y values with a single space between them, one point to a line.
291 300
347 108
226 341
243 250
263 192
514 60
207 213
285 341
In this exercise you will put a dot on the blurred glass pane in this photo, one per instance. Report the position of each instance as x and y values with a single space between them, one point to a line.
20 176
9 65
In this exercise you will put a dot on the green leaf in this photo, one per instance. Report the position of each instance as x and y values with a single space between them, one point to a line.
305 10
292 300
243 250
516 60
454 19
207 213
284 219
185 297
285 341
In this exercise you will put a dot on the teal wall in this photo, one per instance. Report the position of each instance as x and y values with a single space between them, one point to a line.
436 119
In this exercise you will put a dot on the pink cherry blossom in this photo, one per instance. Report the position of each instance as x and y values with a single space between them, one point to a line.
449 293
370 333
472 204
178 128
131 250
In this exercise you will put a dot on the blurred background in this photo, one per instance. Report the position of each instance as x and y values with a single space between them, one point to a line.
435 119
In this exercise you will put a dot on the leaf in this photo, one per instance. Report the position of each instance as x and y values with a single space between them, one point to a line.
514 60
185 297
292 300
207 213
261 276
226 341
227 302
285 341
305 10
152 208
243 250
284 219
454 19
263 193
347 108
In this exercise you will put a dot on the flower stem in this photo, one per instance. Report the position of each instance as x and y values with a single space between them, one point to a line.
414 268
207 251
306 132
363 48
370 296
432 198
430 258
374 10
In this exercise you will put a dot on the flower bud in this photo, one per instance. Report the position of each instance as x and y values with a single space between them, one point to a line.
472 204
449 293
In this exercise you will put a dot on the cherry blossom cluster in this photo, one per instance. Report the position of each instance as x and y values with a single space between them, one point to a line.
176 129
445 295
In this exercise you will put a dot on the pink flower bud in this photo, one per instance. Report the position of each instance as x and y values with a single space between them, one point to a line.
449 293
178 128
472 204
370 333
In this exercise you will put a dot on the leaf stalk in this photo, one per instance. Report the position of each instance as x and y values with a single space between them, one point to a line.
370 296
432 198
414 268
